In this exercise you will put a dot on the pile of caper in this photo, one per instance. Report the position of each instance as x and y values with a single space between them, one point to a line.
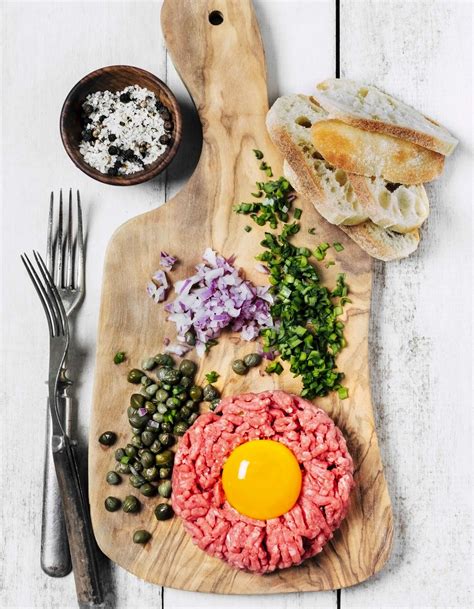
241 366
167 405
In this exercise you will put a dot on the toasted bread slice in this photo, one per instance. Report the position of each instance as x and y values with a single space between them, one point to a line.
289 122
369 153
369 108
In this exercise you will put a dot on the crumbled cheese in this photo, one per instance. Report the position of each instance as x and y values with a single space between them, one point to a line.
122 137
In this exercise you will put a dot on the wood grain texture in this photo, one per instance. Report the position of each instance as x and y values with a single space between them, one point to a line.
232 126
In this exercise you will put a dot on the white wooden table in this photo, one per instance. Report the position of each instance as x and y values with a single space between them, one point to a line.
420 331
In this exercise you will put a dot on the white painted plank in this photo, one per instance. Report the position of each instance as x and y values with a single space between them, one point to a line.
47 48
298 33
421 334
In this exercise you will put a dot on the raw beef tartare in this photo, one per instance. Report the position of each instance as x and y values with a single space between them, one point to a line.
300 476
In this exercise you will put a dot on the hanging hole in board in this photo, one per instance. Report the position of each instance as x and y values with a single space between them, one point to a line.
216 18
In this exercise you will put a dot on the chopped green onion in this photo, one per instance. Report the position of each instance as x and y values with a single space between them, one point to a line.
338 247
247 228
212 376
258 153
343 393
297 213
125 460
274 368
330 263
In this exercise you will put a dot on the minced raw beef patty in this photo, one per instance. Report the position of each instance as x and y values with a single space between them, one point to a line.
263 545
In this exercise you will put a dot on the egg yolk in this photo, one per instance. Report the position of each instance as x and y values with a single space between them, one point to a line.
261 479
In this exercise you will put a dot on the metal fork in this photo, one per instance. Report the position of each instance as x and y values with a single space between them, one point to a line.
66 266
76 512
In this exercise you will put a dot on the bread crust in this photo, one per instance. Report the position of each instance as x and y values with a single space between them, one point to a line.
442 141
375 154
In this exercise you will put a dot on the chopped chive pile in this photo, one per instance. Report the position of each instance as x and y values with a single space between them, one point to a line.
308 333
275 199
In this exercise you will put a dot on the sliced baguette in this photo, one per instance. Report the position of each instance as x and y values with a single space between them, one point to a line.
377 242
289 122
375 154
369 108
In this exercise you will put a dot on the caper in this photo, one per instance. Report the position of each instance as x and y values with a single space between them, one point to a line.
180 428
192 405
164 359
141 536
185 412
137 441
166 386
182 397
162 408
145 381
165 458
136 481
166 439
130 504
147 489
164 511
137 400
147 458
166 427
131 451
165 472
112 504
164 489
170 376
151 474
192 418
186 382
137 466
161 395
148 437
113 478
190 338
172 402
214 404
158 417
135 431
150 407
195 393
122 468
151 389
149 364
210 393
108 438
188 368
156 447
134 376
253 359
138 420
239 367
131 411
119 453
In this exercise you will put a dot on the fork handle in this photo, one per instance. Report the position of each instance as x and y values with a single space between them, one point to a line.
78 525
55 556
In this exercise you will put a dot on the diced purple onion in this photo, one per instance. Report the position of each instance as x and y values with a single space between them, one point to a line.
142 411
154 424
167 261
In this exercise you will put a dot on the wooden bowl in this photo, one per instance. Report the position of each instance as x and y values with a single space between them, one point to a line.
115 78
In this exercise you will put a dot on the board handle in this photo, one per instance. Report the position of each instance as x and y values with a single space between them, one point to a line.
217 50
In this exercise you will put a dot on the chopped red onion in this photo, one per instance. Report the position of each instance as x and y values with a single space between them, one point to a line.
142 412
158 287
167 261
261 268
178 350
154 424
133 470
166 341
217 297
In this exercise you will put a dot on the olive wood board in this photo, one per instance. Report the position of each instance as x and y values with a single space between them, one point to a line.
223 67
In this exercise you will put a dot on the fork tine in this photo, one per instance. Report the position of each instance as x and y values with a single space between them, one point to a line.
49 244
80 246
58 278
56 301
69 258
41 293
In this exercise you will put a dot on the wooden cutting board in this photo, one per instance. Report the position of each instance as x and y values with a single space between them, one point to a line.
223 67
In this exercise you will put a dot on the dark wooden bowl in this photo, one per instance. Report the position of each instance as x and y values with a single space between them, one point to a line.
115 78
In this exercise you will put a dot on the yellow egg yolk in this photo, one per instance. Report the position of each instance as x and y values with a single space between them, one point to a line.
261 479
